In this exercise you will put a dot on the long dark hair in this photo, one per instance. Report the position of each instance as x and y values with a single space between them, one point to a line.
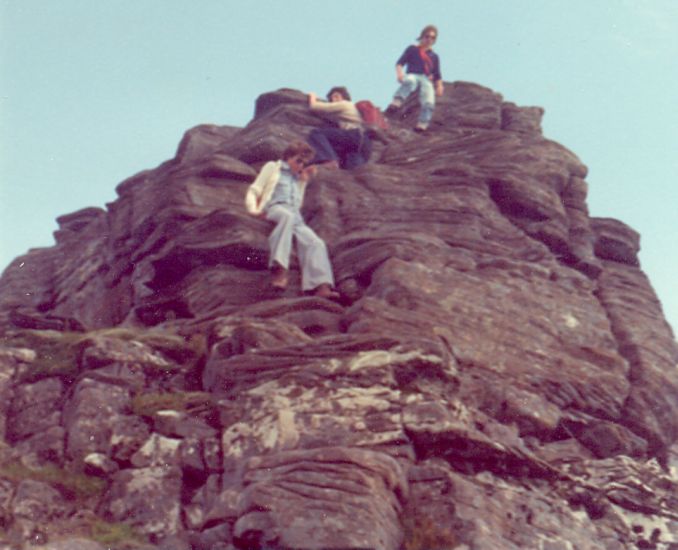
428 28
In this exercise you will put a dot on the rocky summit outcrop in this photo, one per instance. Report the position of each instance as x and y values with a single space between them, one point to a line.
497 375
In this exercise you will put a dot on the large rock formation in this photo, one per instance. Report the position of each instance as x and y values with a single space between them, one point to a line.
498 374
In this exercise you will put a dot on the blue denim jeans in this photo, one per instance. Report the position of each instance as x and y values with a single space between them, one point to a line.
427 96
350 148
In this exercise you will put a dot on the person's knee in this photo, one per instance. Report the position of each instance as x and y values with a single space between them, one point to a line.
282 217
320 245
315 243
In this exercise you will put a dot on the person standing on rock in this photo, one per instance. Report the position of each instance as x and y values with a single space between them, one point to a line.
345 143
423 73
277 194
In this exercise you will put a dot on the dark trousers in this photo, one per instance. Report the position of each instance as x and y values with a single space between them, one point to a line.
350 148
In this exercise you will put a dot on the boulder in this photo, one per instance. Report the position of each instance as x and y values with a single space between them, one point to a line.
497 372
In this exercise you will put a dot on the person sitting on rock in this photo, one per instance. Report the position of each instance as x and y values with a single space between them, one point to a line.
345 143
423 72
277 194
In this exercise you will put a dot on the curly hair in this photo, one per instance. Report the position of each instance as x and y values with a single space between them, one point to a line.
298 148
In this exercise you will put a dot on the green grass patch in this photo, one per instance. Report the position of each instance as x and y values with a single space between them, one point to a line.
118 535
57 353
193 403
72 485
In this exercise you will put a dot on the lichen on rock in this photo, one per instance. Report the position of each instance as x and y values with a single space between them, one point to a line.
497 373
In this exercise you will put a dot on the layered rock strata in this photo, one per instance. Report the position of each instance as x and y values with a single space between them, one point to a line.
497 374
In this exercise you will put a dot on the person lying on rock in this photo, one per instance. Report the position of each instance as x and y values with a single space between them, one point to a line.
345 143
423 73
276 195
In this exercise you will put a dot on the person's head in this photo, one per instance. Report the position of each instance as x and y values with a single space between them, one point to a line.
428 35
298 154
338 93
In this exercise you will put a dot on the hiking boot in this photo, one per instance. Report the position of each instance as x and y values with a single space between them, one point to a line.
279 279
325 291
395 106
421 127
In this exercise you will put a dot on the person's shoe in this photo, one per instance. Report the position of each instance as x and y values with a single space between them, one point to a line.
421 127
279 280
395 106
325 291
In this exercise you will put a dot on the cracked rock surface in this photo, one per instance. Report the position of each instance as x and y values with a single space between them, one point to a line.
498 373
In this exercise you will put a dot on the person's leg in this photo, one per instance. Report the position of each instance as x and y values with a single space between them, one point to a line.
319 139
407 86
348 146
427 101
363 153
339 143
280 243
316 270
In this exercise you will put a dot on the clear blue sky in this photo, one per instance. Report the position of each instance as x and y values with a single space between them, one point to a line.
93 92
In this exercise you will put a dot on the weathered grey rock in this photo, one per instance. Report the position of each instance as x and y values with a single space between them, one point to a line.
322 498
91 415
158 451
35 408
179 424
43 447
7 490
72 226
38 502
174 543
71 544
9 358
128 433
100 465
615 241
497 373
211 505
146 498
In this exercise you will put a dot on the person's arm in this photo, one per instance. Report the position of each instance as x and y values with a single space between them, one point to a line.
308 173
402 62
437 77
255 191
327 106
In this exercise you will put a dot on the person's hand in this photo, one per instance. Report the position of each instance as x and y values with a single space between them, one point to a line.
400 75
439 88
312 98
308 172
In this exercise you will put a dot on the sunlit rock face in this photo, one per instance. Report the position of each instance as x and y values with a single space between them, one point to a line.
497 374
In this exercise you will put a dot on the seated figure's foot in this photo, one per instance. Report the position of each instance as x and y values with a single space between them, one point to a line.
395 106
279 277
325 291
421 127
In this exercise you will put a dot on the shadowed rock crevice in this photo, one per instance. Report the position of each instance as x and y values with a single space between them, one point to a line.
497 372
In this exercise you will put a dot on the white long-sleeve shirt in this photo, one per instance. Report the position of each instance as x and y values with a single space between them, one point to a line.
260 191
344 113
